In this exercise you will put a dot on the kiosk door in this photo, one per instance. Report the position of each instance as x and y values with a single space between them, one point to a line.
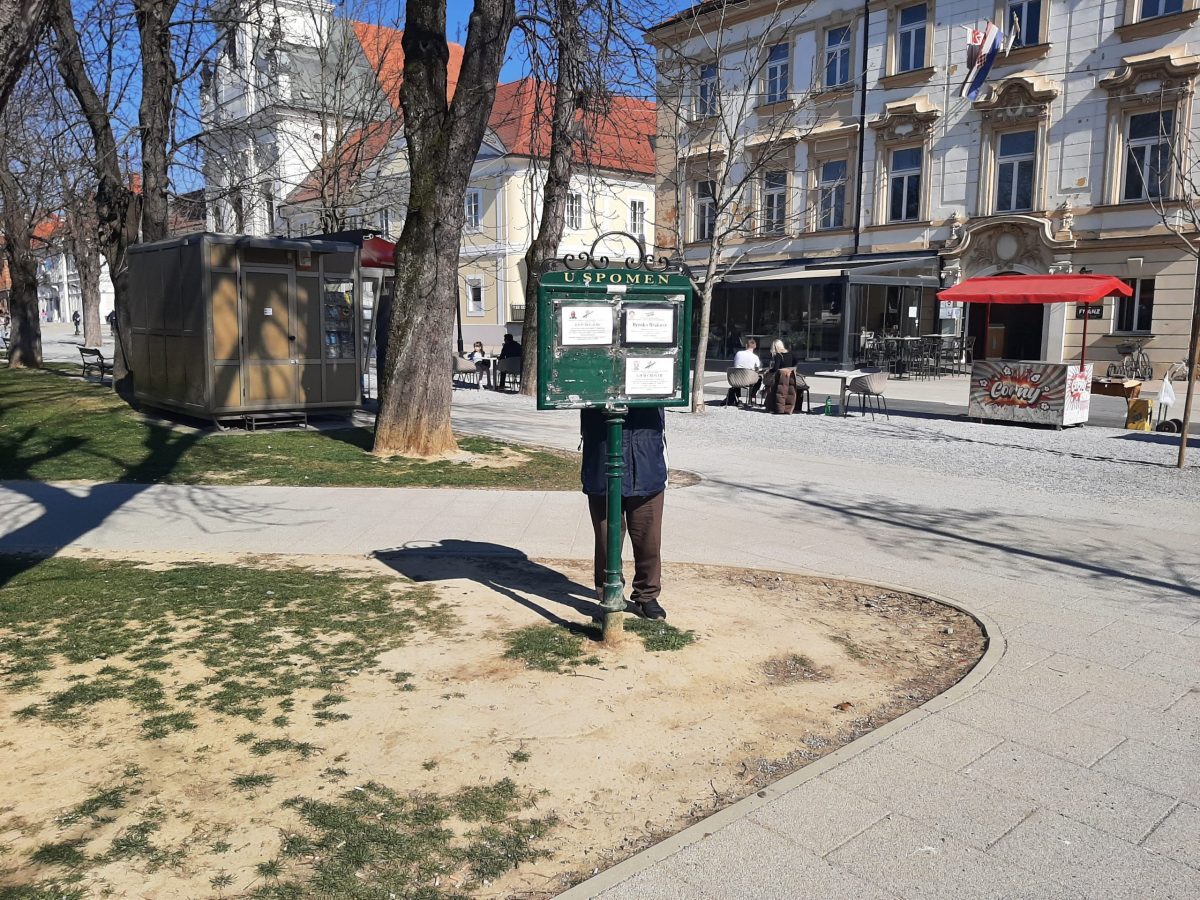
268 337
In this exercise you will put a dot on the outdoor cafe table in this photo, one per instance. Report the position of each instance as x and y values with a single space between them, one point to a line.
904 347
844 375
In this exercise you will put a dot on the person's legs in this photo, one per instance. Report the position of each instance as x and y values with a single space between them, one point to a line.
731 398
644 518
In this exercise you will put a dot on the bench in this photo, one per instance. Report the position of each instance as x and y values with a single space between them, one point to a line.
94 361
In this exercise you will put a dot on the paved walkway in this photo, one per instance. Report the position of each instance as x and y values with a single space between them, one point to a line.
1072 769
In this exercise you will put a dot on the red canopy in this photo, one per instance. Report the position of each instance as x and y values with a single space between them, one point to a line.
1036 289
378 253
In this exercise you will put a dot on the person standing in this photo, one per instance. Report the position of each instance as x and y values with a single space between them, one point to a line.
509 349
643 488
111 318
75 319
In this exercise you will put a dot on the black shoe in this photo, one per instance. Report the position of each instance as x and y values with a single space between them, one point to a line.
651 609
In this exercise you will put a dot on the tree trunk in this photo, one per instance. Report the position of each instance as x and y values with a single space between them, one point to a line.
25 328
1192 362
21 22
156 112
443 139
117 207
558 181
87 263
700 354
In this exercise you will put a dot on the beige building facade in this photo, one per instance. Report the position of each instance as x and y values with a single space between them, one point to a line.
1074 156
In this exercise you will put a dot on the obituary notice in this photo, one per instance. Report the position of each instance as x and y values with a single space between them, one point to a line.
649 376
649 326
586 326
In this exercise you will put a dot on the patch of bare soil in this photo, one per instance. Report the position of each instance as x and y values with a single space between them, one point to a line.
784 669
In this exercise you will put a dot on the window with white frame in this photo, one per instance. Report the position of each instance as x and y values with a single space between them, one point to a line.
474 296
706 91
706 210
1135 314
574 210
910 38
1152 9
904 200
1016 154
778 81
774 202
637 217
473 209
1027 17
831 194
1148 141
837 56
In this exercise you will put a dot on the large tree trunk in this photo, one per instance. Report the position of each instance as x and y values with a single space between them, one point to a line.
87 263
156 111
443 140
21 22
117 207
558 181
700 351
25 328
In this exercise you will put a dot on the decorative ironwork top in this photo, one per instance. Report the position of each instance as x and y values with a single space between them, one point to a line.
588 259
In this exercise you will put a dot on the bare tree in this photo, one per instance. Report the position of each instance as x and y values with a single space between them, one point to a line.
21 21
27 182
443 137
729 117
1170 175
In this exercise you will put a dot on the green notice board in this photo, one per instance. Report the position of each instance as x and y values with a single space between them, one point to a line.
614 337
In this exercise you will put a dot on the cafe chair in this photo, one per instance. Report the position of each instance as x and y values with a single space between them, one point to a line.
742 378
869 388
509 367
464 370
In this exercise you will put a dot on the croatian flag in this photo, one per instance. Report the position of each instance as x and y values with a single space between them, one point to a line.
990 42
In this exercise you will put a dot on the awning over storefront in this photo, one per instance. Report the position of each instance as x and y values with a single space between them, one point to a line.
378 253
908 272
1036 289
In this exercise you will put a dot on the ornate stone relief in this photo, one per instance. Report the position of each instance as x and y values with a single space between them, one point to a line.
1169 72
906 120
1024 97
1004 243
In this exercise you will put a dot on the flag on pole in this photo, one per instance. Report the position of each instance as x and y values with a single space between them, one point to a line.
974 42
993 39
1014 35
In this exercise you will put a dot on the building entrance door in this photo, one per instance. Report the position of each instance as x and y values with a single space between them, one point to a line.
269 371
1013 331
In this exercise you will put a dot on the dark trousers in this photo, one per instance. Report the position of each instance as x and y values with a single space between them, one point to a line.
643 522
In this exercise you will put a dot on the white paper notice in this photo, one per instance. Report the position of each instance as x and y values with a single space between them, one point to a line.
649 376
650 326
587 326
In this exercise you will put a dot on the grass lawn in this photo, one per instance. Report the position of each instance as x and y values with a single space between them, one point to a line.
179 706
57 428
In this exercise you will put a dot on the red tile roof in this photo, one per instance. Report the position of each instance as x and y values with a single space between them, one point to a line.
620 137
385 55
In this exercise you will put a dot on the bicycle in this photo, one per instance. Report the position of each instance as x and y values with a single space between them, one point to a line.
1134 361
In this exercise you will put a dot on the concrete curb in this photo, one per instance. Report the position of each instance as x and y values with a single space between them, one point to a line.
993 652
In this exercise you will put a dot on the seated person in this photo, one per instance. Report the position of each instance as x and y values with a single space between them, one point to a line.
745 359
483 365
510 348
782 357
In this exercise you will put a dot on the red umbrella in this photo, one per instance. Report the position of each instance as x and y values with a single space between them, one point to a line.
1082 289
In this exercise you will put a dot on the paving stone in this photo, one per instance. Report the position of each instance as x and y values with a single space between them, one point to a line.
744 860
1096 864
1022 656
941 740
1096 798
1164 729
1174 771
973 812
1083 744
1187 705
915 860
819 815
1157 640
1036 685
1170 667
1014 613
1178 836
1110 650
657 883
1154 693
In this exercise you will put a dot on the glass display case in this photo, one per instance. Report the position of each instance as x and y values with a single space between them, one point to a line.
338 301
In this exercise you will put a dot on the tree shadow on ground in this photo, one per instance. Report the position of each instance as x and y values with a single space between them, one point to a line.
505 570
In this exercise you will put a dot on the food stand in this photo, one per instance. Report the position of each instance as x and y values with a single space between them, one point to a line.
1033 391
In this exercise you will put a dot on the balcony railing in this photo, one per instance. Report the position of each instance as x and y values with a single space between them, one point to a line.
516 312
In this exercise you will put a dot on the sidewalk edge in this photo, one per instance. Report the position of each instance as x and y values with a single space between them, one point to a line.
993 651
